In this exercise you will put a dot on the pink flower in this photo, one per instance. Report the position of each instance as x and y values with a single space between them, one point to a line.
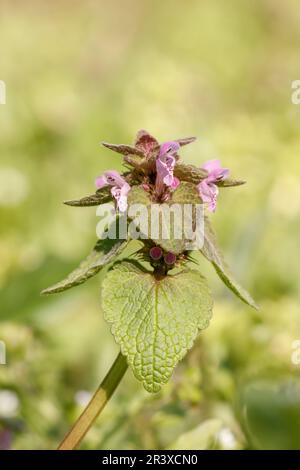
215 171
110 178
120 195
207 188
120 188
165 164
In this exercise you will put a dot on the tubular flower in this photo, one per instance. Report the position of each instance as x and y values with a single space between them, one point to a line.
207 188
165 164
120 188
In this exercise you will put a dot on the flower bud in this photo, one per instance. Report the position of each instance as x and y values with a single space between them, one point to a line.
170 258
155 253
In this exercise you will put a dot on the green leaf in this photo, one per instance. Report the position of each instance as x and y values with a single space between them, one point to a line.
186 141
136 161
186 193
137 195
100 197
103 253
189 173
228 182
212 252
123 149
155 321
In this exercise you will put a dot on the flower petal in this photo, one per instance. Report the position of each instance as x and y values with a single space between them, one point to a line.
215 171
175 183
114 178
100 182
212 165
125 189
164 167
208 193
120 195
169 147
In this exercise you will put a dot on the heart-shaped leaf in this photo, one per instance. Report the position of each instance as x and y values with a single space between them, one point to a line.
167 235
186 193
155 321
137 195
103 253
212 252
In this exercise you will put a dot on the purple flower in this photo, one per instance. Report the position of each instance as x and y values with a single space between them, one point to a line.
120 188
165 164
110 178
215 171
207 188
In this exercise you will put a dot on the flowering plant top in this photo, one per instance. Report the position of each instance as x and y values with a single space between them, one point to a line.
159 169
156 300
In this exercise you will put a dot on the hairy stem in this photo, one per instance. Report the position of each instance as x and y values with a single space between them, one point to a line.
96 405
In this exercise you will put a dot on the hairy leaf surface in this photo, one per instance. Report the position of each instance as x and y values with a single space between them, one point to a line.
103 253
154 321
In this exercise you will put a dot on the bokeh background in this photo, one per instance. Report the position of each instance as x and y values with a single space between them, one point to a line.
80 72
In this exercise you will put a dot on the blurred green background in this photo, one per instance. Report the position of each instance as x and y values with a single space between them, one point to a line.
80 72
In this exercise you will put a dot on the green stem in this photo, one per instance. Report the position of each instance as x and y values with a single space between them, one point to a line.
96 405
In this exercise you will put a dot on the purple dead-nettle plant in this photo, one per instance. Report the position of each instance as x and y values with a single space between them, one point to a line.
156 301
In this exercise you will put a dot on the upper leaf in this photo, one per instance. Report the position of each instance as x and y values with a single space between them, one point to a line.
137 195
212 252
103 253
155 321
146 143
100 197
228 182
186 141
137 162
123 149
189 173
186 193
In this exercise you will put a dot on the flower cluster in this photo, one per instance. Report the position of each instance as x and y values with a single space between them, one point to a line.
154 166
